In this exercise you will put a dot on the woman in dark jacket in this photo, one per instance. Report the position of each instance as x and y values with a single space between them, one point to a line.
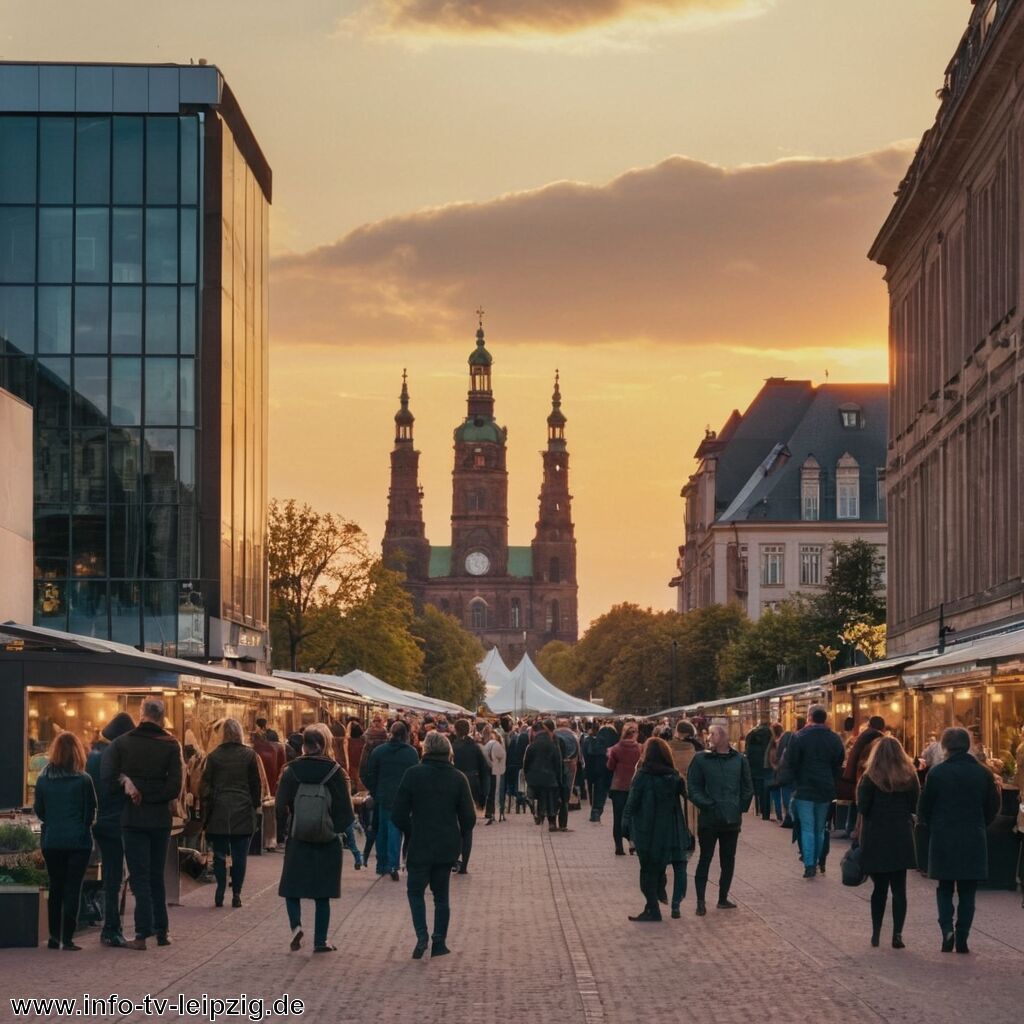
65 802
887 799
355 753
542 766
653 817
621 764
230 797
312 870
958 804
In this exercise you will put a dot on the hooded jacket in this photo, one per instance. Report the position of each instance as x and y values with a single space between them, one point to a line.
722 787
110 802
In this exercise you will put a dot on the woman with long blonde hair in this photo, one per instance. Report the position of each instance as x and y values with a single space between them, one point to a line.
887 800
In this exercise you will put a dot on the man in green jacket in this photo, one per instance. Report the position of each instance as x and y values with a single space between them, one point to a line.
720 785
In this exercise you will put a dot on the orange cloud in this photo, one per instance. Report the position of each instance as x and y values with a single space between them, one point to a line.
556 17
682 252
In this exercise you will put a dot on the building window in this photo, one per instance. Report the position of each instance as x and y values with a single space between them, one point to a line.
880 492
479 460
515 617
554 618
773 558
810 490
810 564
554 571
847 488
476 501
883 564
851 417
446 606
770 606
478 614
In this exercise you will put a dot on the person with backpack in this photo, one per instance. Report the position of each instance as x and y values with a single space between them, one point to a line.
315 790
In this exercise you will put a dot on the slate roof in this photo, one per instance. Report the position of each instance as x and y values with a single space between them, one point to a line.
791 420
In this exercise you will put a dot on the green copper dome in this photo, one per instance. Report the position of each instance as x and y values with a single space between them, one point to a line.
480 356
480 429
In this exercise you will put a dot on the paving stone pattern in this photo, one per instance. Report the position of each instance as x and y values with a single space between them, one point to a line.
540 933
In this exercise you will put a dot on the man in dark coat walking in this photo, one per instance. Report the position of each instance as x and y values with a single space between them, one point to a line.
382 775
959 802
312 870
813 762
759 739
434 807
542 767
146 764
607 737
517 744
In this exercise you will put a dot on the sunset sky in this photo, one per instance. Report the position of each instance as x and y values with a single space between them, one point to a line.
668 200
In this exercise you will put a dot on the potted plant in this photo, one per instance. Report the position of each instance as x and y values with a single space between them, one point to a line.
22 877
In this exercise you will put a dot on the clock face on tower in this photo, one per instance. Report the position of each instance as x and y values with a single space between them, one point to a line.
477 563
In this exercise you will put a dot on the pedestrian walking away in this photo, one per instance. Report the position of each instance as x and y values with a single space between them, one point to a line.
434 807
146 763
65 803
756 750
653 818
813 763
959 802
542 766
622 762
887 801
315 790
382 774
230 793
719 783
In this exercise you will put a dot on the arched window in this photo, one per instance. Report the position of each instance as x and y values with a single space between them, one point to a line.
515 614
554 618
554 571
476 501
478 614
446 606
847 488
810 489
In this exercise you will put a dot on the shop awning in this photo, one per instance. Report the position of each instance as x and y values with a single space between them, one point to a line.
976 654
369 686
526 689
40 638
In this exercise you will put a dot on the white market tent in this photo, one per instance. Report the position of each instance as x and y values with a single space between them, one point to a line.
369 686
494 672
527 690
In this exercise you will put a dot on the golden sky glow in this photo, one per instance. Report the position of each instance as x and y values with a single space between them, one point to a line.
669 200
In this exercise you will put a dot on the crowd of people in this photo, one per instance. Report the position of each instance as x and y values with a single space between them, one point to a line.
413 789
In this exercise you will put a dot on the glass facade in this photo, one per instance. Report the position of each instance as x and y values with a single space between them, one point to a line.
101 257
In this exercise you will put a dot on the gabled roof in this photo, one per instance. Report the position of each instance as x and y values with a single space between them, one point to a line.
528 690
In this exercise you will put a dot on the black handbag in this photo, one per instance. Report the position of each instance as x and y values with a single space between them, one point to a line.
851 869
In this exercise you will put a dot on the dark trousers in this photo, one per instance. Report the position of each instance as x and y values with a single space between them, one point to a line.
726 840
652 880
467 849
619 797
766 798
512 791
145 851
438 877
492 795
112 861
238 848
321 917
598 795
966 890
66 869
548 802
883 882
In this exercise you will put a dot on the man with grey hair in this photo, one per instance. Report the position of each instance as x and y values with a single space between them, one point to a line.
146 764
434 808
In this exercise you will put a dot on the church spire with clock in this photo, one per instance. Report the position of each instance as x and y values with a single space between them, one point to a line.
405 541
479 476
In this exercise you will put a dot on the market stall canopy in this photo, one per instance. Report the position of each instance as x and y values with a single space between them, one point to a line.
110 652
494 672
526 689
369 686
984 653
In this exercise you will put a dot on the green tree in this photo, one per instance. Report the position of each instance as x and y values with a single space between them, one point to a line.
450 657
601 643
319 566
557 661
706 633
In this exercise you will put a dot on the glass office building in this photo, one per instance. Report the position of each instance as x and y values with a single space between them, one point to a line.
133 318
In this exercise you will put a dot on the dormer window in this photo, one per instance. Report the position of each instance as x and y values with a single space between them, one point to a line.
847 488
851 416
810 490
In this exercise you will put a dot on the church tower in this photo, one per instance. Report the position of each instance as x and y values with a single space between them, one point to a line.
406 547
554 543
479 478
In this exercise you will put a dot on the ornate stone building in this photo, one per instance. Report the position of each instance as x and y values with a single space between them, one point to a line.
512 598
776 488
951 248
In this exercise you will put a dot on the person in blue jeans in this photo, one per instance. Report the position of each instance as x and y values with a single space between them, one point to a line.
813 763
382 776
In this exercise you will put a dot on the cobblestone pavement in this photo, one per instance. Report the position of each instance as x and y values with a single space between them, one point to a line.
539 932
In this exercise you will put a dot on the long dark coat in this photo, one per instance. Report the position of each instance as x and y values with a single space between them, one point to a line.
653 818
542 763
887 827
313 870
959 802
230 790
434 808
